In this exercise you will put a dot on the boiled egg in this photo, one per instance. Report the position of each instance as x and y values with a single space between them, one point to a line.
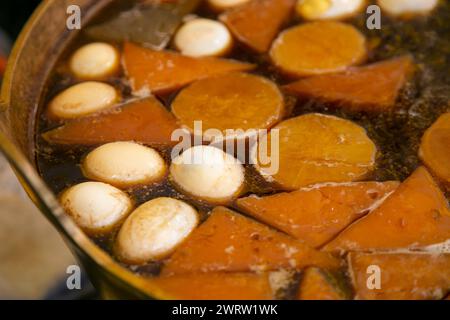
407 7
154 230
124 164
95 61
95 206
203 37
208 173
222 5
328 9
83 99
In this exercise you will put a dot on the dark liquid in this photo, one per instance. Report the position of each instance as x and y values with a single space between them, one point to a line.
397 133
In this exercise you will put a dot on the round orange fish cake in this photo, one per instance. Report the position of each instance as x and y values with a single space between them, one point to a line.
318 48
232 101
435 147
316 148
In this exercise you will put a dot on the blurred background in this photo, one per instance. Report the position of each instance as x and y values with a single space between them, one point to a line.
33 257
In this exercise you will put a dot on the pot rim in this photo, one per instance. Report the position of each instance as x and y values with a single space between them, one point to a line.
47 202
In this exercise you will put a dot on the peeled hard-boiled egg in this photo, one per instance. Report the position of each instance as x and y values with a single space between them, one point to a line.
328 9
95 206
222 5
94 61
203 37
124 164
154 229
83 99
406 7
208 173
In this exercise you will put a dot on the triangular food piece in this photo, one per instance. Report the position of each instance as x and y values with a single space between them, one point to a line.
403 276
257 22
317 214
160 72
415 215
317 284
145 121
230 242
369 88
216 286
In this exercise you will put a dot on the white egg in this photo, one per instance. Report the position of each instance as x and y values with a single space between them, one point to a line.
222 5
203 37
83 99
208 173
328 9
95 61
405 7
154 230
124 164
95 206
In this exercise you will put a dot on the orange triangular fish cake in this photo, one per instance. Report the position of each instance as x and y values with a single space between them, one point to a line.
230 242
316 284
155 71
371 88
216 286
145 121
415 215
257 22
315 215
402 276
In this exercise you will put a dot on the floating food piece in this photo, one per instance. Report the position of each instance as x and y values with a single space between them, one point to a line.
317 48
152 71
407 7
231 101
317 284
222 5
83 99
316 148
415 215
216 286
203 37
94 61
95 206
257 22
369 88
328 9
403 276
154 229
317 214
435 148
208 173
150 23
124 164
145 121
230 242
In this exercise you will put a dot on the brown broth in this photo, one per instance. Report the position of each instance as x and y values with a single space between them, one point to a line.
396 133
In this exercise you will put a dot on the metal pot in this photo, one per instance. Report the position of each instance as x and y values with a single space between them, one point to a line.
35 53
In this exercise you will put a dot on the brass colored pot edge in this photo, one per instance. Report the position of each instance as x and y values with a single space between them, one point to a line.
112 279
